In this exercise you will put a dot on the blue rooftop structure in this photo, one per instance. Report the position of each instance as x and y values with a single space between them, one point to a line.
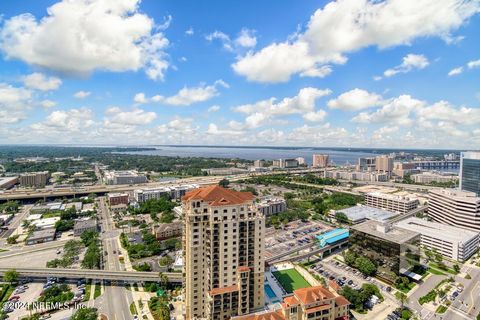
332 236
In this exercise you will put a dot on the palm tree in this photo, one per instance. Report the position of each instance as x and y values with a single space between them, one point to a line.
163 279
402 297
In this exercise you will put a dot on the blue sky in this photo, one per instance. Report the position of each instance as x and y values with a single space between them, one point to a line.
399 73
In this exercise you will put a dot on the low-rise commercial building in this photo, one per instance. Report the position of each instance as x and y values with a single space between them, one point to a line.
396 251
8 182
45 223
358 214
285 163
34 179
84 225
117 198
5 218
259 163
46 207
429 177
307 303
271 206
168 230
452 242
403 168
456 208
172 192
357 175
41 236
119 208
123 177
391 202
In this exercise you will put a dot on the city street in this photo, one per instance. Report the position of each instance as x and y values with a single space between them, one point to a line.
115 301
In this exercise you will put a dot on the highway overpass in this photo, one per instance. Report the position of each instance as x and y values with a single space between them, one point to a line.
128 276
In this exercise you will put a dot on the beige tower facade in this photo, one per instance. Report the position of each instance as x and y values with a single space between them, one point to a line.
223 247
384 163
320 160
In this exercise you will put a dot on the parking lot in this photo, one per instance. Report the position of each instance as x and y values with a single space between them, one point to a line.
333 270
27 293
295 235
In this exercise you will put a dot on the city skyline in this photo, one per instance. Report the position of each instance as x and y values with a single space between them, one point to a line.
332 73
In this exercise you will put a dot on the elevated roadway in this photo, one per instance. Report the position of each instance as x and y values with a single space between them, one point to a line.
129 276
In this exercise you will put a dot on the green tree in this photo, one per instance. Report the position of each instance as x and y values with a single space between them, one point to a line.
163 279
224 183
10 276
456 267
402 297
341 217
165 261
349 257
365 266
85 314
12 239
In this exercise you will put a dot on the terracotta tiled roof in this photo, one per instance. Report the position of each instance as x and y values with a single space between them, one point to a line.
312 294
334 285
272 315
290 301
218 196
341 301
223 290
318 308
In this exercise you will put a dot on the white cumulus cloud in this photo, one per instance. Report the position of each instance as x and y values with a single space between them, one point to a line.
81 94
356 99
41 82
345 26
410 62
81 36
455 71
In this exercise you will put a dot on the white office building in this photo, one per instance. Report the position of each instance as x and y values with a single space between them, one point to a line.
391 202
452 242
172 192
456 208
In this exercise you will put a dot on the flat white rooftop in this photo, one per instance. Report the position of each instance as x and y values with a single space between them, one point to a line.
437 230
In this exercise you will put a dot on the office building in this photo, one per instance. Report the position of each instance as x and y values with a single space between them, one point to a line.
360 213
301 161
307 303
117 198
41 236
384 164
34 179
395 250
432 177
357 175
402 168
366 164
285 163
320 160
391 202
8 182
456 208
470 172
84 225
45 223
172 192
259 163
452 242
123 177
269 206
223 247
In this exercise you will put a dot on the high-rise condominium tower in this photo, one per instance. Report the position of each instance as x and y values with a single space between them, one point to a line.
320 160
223 253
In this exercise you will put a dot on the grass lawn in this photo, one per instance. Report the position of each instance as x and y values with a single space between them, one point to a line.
291 280
441 309
434 265
411 285
133 309
88 289
98 290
